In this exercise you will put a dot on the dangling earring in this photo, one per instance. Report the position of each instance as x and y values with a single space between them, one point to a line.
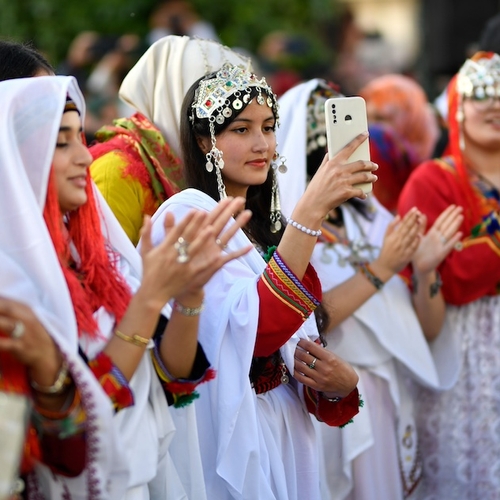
275 215
282 168
460 119
214 159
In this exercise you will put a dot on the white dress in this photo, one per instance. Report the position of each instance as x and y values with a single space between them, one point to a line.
460 428
252 447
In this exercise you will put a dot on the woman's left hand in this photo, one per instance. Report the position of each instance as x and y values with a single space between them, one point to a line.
322 370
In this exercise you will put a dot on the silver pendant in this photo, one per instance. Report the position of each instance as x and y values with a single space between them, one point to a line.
209 166
237 104
284 379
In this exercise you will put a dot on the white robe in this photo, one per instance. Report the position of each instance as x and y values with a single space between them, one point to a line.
252 446
128 455
383 340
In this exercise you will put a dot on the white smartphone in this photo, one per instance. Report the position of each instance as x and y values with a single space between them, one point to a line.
345 119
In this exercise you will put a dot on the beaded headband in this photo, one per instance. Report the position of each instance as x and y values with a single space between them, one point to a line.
212 102
480 79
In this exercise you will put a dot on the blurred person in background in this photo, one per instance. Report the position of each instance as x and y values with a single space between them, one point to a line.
401 102
396 160
178 17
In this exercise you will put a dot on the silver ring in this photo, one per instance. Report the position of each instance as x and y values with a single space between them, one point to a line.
443 239
219 242
181 245
19 330
312 364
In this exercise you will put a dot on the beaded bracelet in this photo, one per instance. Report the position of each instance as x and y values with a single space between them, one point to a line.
371 276
133 339
188 311
304 229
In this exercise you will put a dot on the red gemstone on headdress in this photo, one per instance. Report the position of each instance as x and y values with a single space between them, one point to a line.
208 103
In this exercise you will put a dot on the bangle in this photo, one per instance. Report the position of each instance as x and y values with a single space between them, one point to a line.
59 386
134 339
188 311
304 229
336 399
372 277
435 287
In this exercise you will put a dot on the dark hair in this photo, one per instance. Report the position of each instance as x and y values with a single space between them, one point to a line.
19 60
258 197
490 36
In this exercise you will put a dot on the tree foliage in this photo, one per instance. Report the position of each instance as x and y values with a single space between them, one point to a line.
52 24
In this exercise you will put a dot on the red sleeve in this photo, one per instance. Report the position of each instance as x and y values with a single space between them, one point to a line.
472 272
285 303
335 414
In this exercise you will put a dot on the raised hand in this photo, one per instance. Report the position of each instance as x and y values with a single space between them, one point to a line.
191 251
439 241
401 241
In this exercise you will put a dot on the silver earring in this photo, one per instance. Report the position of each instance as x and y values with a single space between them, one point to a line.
214 159
275 215
282 168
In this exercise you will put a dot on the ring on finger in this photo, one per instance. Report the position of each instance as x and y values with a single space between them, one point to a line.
312 364
443 239
219 242
181 245
18 330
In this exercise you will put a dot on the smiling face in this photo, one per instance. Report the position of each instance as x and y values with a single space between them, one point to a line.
482 123
248 145
70 163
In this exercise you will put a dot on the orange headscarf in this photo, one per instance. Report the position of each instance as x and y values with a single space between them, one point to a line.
404 105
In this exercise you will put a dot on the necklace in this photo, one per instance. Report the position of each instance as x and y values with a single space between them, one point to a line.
356 251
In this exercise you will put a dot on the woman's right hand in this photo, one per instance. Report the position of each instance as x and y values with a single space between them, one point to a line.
337 180
202 236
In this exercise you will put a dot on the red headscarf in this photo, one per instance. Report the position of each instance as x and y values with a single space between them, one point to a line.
455 100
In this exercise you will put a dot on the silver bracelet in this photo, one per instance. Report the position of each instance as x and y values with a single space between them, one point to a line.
304 229
336 399
188 311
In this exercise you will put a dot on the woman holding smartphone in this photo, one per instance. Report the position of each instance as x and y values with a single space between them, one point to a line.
372 322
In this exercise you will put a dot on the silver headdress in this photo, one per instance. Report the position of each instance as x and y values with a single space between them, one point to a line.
480 79
216 99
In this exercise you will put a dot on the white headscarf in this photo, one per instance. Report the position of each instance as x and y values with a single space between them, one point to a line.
157 84
292 141
31 115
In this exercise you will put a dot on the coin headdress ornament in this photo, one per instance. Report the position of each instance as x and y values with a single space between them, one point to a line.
480 79
216 99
